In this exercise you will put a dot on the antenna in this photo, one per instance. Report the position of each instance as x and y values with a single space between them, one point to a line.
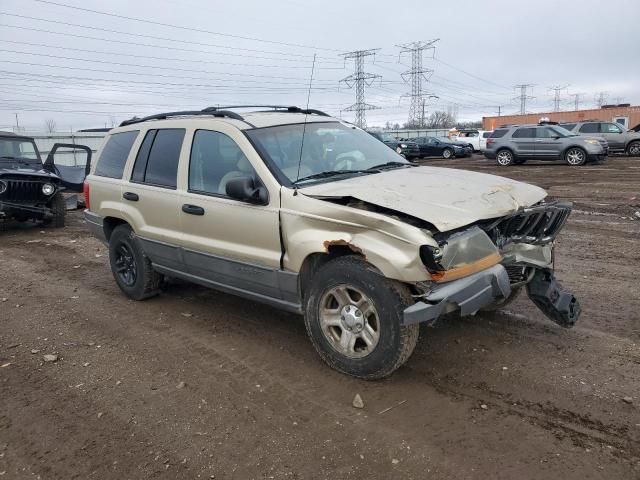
304 126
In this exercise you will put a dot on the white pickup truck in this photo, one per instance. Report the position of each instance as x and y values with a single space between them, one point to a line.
476 138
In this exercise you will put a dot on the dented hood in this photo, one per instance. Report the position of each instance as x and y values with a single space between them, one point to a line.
445 197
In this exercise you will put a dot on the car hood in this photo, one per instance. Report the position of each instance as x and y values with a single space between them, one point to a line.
447 198
16 168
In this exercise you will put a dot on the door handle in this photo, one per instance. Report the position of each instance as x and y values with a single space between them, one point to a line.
192 209
132 197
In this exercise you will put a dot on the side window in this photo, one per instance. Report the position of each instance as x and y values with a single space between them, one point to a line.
501 132
568 126
215 159
589 128
546 132
158 157
115 153
524 133
486 134
610 128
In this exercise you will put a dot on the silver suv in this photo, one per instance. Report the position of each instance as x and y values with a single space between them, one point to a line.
518 143
312 215
620 139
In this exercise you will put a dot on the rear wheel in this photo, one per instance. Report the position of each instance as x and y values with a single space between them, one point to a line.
633 149
504 158
447 153
575 156
58 207
130 266
354 317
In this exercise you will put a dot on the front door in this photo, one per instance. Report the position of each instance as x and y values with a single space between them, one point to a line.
226 241
548 144
614 134
71 163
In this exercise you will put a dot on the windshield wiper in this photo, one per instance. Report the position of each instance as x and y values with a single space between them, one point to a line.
384 166
330 173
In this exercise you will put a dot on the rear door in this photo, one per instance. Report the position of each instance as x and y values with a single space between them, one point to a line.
151 200
548 144
524 142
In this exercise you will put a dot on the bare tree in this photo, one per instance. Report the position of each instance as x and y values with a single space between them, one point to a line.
440 119
50 125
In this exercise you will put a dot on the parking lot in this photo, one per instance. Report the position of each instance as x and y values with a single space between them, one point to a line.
200 384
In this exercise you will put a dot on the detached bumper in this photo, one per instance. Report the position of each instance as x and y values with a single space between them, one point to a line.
95 223
469 294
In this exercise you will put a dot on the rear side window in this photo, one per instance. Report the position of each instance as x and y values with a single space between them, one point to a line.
158 157
486 134
115 153
524 133
589 128
499 133
568 126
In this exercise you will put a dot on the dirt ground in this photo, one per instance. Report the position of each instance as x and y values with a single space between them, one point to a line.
199 384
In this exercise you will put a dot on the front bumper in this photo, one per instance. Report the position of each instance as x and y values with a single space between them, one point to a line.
469 294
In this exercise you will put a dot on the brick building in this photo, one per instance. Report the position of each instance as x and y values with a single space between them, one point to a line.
626 115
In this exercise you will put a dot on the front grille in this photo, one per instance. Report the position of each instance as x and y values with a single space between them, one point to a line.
537 225
22 191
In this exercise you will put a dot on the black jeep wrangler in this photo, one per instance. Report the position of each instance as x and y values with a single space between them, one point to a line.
31 189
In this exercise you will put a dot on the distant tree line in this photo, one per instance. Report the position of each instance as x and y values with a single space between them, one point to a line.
438 119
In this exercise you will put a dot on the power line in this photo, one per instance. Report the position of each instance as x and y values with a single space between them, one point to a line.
523 97
359 79
557 89
470 74
181 27
416 75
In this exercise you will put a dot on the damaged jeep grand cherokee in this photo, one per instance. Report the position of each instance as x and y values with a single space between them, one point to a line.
302 211
31 189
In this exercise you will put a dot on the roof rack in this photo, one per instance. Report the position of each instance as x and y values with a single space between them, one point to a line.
222 112
287 108
184 113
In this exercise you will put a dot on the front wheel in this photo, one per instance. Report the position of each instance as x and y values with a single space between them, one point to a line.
354 317
575 156
447 153
633 150
58 207
131 268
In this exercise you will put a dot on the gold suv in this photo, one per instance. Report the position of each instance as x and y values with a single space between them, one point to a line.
305 212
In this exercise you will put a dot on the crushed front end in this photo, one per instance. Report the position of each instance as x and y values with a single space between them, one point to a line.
27 197
485 264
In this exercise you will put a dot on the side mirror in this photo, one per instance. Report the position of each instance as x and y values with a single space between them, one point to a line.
246 189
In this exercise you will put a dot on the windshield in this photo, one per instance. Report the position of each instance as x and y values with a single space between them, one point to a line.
334 150
18 149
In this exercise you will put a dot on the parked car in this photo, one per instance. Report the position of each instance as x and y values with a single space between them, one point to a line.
518 143
31 189
620 139
407 148
477 139
363 243
442 147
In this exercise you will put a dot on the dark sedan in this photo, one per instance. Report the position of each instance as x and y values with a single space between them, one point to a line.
442 147
408 149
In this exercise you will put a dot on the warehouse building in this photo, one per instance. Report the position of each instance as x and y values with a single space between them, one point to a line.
626 115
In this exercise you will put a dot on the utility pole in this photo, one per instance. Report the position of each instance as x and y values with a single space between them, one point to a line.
500 110
523 97
557 89
576 100
17 124
601 98
415 76
359 78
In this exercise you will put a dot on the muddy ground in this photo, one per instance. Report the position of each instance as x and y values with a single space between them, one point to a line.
199 384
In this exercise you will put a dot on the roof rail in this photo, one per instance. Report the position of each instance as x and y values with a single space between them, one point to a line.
184 113
288 108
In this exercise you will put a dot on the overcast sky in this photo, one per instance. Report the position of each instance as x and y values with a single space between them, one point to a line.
86 69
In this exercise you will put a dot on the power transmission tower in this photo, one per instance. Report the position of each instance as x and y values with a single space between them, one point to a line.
557 89
416 75
600 99
619 100
359 78
576 100
523 97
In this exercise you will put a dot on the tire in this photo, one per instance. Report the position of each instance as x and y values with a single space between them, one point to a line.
633 149
59 210
447 153
497 306
575 156
504 158
388 343
130 266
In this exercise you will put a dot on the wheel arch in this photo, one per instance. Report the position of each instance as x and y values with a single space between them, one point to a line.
109 225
